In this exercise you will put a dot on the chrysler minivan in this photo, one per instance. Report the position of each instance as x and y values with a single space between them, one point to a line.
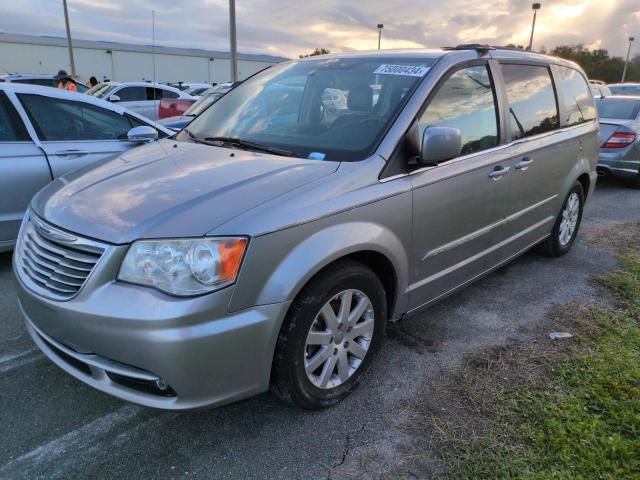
268 243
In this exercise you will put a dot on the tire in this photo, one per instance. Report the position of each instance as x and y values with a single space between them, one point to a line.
558 244
297 377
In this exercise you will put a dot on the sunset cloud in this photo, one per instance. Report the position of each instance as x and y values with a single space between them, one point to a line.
291 27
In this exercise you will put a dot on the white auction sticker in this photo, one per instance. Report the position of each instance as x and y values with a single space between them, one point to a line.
407 70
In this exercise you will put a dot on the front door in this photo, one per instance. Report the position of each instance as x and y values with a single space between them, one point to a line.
74 133
23 171
456 205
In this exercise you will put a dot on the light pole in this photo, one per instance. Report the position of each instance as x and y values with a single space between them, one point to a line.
626 62
69 44
380 27
535 7
232 33
113 70
153 44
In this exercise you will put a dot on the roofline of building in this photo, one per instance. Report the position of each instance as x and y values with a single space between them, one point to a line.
54 41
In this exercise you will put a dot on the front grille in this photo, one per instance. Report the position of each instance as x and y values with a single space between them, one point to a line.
53 262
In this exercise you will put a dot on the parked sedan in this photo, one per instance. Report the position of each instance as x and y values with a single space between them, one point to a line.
619 130
46 132
141 97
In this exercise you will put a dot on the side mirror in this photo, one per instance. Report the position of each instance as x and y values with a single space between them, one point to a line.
114 98
142 134
440 144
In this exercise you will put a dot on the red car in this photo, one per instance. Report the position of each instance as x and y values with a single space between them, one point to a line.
170 107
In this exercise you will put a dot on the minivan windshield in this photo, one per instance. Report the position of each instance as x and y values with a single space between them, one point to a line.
620 108
324 109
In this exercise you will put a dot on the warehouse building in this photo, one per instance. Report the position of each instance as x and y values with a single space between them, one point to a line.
123 62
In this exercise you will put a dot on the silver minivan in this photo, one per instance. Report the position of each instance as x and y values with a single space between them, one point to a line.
268 243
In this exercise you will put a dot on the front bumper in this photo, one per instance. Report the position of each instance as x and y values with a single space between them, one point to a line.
612 163
122 339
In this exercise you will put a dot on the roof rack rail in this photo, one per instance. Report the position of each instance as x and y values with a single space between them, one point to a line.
471 46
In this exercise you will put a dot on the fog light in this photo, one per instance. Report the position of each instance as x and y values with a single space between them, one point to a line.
161 384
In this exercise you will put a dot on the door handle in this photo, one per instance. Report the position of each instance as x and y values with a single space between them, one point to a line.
499 172
72 153
524 163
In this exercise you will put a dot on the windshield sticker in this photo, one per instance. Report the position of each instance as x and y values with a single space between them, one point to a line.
406 70
317 156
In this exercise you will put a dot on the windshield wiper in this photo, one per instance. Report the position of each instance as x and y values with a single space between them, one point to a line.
238 142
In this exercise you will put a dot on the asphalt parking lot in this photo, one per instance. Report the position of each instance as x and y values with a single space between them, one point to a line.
55 427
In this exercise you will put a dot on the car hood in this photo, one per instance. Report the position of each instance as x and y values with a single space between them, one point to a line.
170 189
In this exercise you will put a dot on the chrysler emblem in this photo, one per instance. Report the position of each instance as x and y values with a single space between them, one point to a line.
51 232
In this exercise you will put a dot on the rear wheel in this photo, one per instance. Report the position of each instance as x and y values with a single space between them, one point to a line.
567 224
330 336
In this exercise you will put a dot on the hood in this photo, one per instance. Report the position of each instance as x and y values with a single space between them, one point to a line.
170 189
610 125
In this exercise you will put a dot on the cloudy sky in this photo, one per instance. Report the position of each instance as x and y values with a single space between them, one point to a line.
289 27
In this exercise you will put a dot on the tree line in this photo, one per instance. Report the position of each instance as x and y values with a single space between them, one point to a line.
597 63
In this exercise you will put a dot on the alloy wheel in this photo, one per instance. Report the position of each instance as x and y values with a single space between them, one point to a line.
339 339
569 221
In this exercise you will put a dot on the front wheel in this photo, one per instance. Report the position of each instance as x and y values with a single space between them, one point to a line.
330 336
567 224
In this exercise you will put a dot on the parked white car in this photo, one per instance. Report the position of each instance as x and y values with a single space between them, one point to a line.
47 132
141 97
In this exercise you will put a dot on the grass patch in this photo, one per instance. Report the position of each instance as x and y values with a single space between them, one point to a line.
567 409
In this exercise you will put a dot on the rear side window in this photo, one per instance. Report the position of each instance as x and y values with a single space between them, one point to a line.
532 100
168 94
131 94
576 98
158 93
466 101
11 127
56 119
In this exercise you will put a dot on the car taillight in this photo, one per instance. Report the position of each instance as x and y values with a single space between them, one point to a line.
620 140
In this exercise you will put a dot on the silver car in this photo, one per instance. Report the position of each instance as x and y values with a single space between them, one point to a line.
45 133
619 141
268 244
140 97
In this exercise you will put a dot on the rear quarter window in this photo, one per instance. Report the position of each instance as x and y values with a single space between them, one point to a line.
576 97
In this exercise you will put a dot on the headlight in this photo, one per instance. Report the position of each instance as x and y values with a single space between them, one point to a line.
184 267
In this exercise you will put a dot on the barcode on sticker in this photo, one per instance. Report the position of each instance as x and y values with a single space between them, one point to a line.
408 70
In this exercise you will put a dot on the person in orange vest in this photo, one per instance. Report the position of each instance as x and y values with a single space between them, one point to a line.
65 81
